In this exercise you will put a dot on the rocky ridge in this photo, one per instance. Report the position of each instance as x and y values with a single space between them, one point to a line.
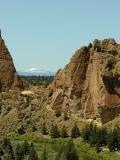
90 83
87 89
8 76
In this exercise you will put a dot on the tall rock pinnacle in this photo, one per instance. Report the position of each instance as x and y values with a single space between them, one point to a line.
90 83
0 33
8 76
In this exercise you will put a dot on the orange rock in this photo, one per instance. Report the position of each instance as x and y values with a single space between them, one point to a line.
8 76
91 80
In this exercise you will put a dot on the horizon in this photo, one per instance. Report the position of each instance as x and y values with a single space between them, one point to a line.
44 35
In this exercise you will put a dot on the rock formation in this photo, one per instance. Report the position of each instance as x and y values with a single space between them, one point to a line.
8 76
90 83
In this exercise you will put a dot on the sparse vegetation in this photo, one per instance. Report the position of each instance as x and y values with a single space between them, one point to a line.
99 137
44 129
55 133
58 113
64 133
68 152
38 80
8 151
66 117
75 131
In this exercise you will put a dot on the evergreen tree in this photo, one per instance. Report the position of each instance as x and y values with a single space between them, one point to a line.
114 139
93 135
75 131
19 152
86 133
26 147
44 129
64 133
58 113
71 153
66 116
44 155
33 154
101 137
67 152
55 132
8 149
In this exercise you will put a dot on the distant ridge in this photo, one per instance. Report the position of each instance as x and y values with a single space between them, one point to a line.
36 72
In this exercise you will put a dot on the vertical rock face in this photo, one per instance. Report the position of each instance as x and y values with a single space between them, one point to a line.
8 76
90 83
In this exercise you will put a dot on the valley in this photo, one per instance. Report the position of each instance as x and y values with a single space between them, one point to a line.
75 112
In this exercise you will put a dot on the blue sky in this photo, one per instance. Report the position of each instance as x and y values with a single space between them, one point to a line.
45 33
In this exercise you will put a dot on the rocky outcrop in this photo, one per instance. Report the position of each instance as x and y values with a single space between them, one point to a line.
8 76
90 83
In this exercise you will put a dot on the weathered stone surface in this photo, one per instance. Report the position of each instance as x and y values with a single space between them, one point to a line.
91 80
8 76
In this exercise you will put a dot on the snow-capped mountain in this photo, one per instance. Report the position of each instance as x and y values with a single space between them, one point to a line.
36 72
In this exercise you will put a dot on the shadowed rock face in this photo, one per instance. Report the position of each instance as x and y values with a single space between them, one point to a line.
8 76
90 83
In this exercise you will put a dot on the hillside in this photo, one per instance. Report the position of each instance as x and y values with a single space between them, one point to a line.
86 90
90 83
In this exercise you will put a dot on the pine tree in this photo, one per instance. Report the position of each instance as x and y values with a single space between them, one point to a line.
66 116
55 132
114 139
101 137
86 133
8 149
44 155
26 147
19 152
33 154
71 153
75 131
44 129
58 113
64 133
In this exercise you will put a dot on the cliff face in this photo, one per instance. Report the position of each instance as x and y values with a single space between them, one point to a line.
8 76
90 83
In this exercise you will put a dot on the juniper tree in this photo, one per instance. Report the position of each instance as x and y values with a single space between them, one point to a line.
64 133
44 129
75 131
44 155
71 153
33 154
54 132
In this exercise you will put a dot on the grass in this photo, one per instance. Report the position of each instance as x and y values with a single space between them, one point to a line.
53 145
85 148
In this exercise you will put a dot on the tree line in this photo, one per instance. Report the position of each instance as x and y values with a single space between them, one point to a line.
27 151
96 137
38 80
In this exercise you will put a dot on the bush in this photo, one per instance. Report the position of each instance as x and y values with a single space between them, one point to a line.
71 153
75 132
66 116
57 113
113 141
44 130
33 154
64 133
55 132
44 155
